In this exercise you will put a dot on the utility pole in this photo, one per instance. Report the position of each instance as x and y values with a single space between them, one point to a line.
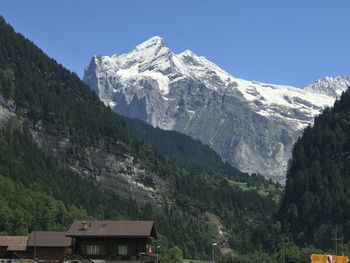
285 242
158 247
342 246
336 242
283 251
336 239
306 259
34 245
213 251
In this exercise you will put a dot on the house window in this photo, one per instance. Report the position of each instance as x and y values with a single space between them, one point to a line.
123 250
94 250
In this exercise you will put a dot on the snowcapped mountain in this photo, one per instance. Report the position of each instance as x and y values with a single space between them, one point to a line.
331 86
252 125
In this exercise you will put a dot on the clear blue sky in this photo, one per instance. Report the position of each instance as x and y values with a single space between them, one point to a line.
278 41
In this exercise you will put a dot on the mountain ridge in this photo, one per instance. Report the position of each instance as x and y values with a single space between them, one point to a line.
252 125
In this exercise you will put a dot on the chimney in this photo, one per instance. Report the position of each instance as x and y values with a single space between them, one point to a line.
84 225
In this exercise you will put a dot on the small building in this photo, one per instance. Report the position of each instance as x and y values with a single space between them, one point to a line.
48 246
12 247
111 241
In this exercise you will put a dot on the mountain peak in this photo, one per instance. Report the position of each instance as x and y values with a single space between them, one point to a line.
331 86
193 95
153 42
188 53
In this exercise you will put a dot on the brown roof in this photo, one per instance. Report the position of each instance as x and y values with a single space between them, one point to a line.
112 229
49 239
14 243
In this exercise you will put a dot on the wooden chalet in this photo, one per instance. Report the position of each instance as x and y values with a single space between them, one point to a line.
48 246
113 241
12 247
42 246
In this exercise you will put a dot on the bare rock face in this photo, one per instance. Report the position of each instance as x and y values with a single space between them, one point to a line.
109 164
7 110
218 230
252 125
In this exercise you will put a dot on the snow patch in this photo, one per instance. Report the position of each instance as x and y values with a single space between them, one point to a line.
126 75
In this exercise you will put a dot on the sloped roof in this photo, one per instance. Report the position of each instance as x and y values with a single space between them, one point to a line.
112 229
49 239
14 243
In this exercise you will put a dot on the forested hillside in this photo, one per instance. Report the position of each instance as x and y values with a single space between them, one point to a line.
316 204
48 146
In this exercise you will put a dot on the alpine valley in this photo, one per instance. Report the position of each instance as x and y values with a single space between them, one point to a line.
251 125
65 156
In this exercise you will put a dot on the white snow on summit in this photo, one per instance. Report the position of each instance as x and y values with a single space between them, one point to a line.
331 86
152 60
251 124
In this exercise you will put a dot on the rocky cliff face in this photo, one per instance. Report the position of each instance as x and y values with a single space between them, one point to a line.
107 162
250 124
